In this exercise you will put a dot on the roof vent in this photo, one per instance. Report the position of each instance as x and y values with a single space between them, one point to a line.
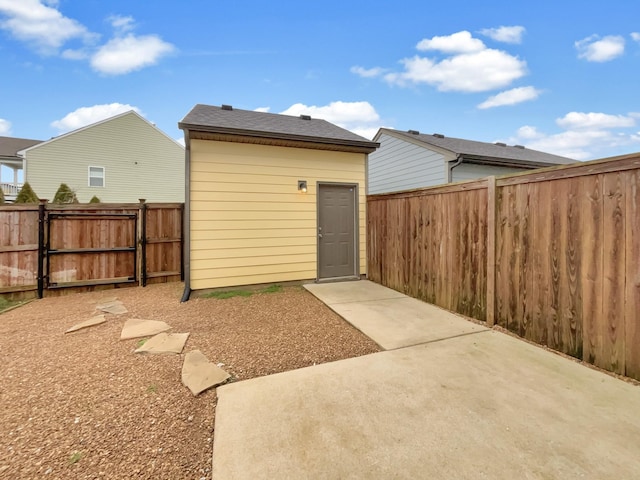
500 144
519 146
305 117
438 135
227 107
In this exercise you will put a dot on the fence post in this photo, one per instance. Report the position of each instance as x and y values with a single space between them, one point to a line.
143 242
41 252
182 226
491 250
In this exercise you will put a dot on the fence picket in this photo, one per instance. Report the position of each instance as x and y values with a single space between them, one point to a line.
552 255
89 245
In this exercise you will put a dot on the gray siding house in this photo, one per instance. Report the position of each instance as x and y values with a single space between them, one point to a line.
408 160
120 159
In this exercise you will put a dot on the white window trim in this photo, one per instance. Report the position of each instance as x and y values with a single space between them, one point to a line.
104 176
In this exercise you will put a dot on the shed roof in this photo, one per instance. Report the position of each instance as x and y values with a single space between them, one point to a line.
248 123
10 146
483 150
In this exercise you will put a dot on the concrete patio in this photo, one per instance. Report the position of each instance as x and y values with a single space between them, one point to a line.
467 403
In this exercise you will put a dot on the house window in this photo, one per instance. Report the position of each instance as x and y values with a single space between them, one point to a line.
96 176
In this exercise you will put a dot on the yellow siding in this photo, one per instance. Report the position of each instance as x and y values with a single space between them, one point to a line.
249 223
139 161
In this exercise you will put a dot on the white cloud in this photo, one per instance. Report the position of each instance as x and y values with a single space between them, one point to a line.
358 117
40 24
505 34
635 36
460 42
366 132
87 115
528 132
584 135
596 49
572 144
468 72
262 109
591 120
367 72
465 65
121 24
511 97
75 54
337 112
126 54
5 127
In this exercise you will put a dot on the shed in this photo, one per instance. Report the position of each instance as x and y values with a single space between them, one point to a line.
271 198
408 160
120 159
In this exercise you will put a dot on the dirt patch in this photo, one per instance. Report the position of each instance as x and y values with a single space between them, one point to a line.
83 405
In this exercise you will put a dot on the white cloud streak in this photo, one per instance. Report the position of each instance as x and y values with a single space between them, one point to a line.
596 49
121 24
511 34
511 97
367 72
84 116
635 36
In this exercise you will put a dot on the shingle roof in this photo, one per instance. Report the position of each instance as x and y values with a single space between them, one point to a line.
209 118
10 146
485 150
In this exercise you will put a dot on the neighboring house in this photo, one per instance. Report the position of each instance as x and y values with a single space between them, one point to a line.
271 198
408 160
10 161
120 159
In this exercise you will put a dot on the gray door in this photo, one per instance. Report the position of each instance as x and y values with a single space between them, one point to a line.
337 240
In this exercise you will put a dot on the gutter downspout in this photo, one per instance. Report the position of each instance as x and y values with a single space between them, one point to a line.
451 165
186 219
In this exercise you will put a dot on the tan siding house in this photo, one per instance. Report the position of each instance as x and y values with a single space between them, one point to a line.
120 159
250 222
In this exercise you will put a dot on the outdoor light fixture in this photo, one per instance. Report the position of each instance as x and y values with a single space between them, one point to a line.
302 186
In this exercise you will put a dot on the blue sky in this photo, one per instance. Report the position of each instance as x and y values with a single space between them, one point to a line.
557 76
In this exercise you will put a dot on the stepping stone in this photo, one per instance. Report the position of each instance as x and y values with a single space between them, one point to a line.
104 300
164 343
115 307
97 320
137 327
199 374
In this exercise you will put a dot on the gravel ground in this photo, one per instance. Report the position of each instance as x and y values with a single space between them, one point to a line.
83 405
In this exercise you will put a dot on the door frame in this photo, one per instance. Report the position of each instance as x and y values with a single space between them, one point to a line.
356 231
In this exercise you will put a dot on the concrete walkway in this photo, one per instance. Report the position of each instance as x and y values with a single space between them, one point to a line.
473 405
390 318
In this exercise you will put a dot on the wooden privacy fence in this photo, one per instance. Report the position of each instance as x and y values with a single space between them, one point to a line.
552 255
47 248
